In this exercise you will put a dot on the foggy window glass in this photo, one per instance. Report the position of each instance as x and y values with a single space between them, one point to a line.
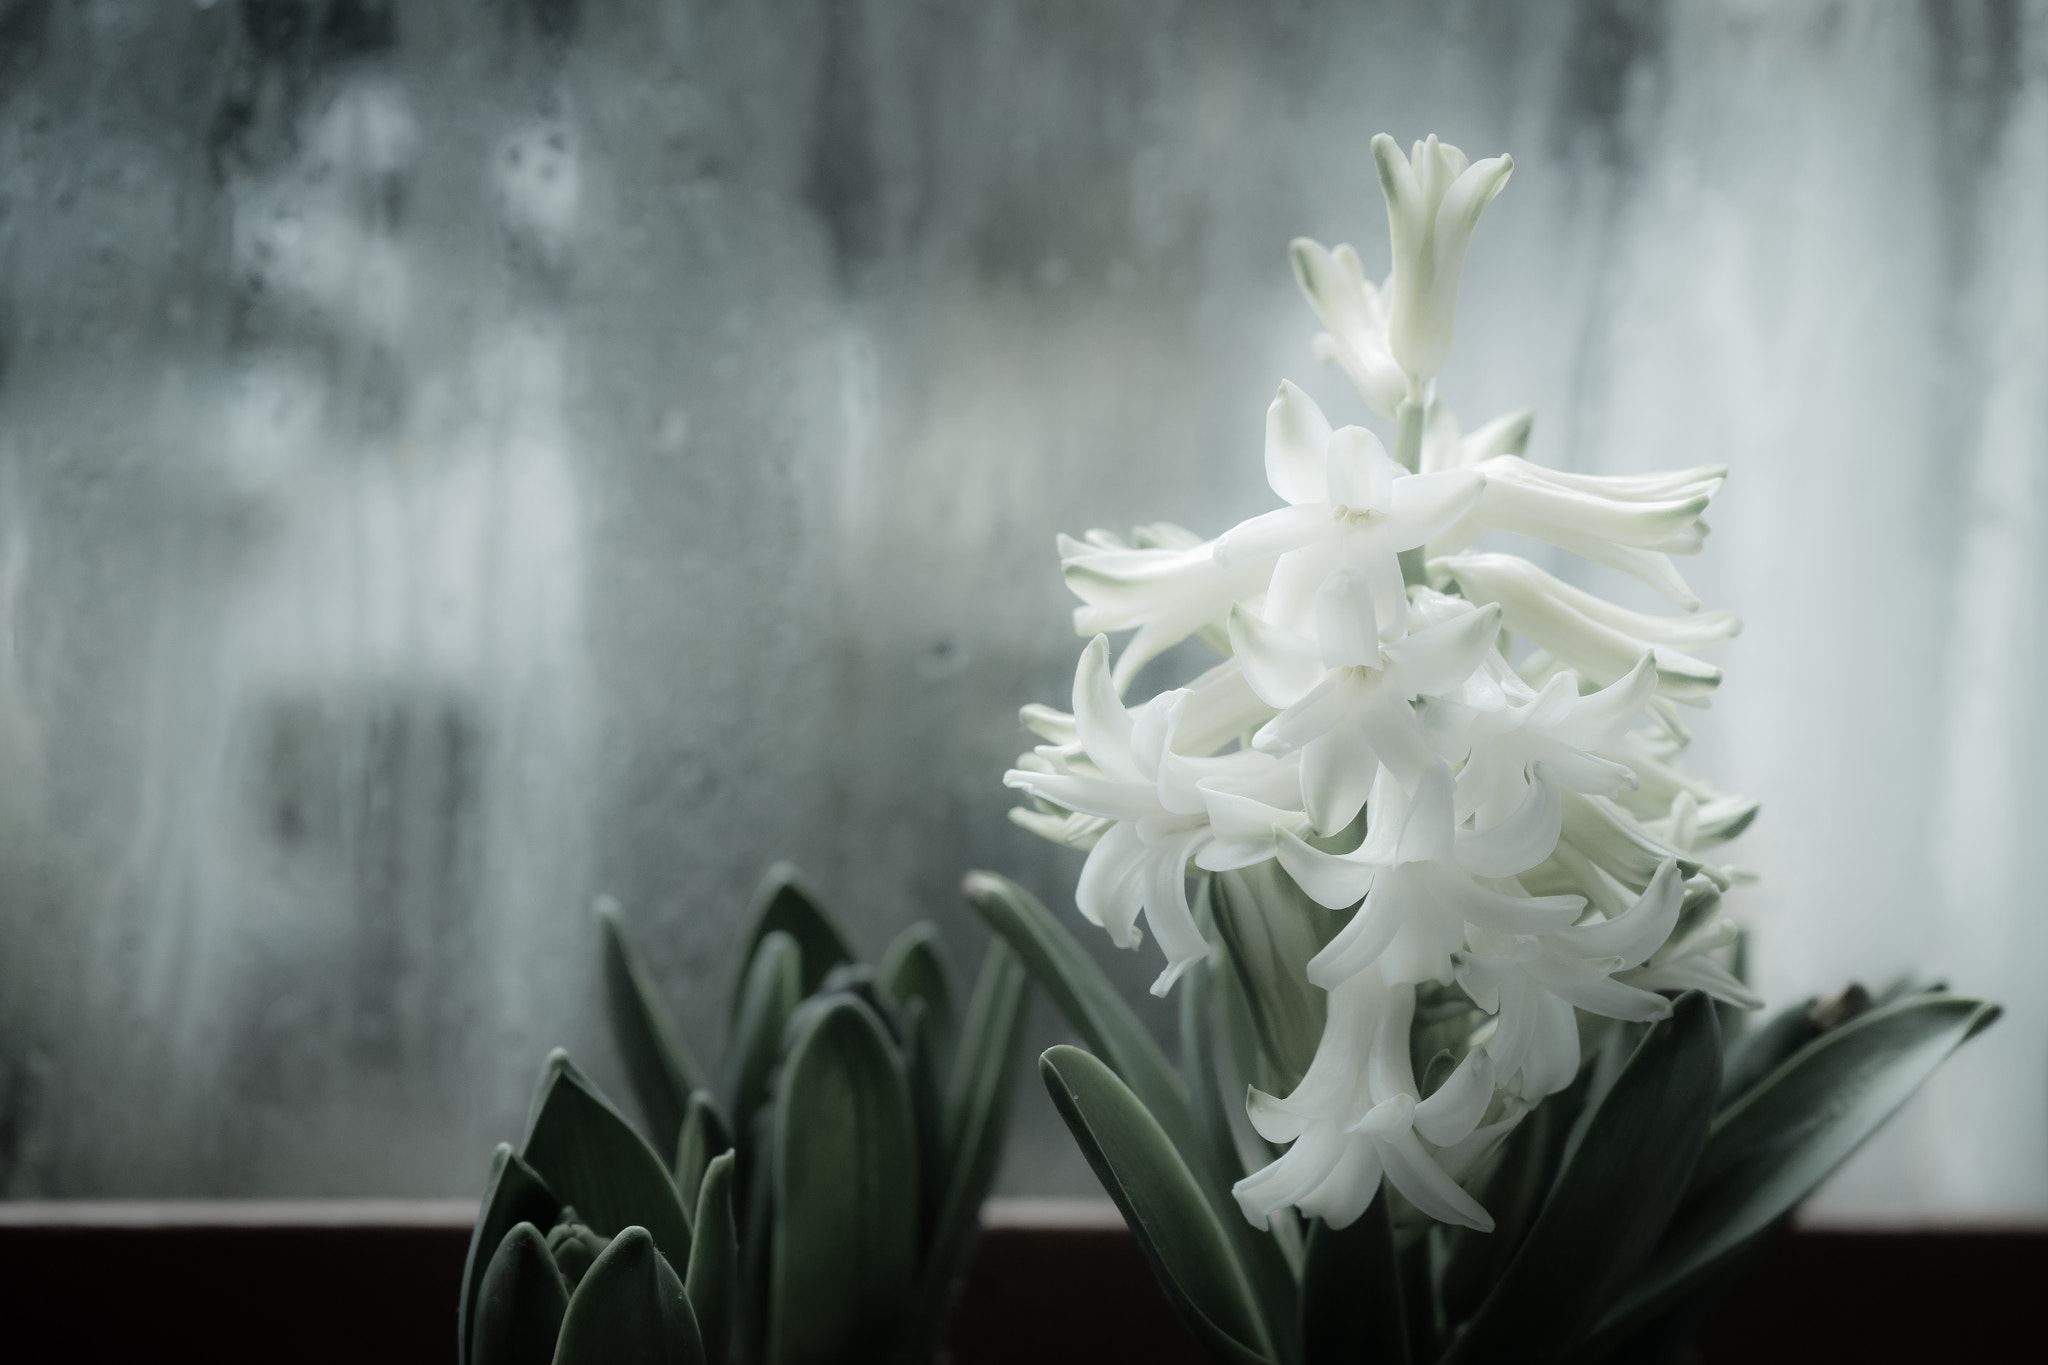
461 458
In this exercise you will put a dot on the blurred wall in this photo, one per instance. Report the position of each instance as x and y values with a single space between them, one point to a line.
459 458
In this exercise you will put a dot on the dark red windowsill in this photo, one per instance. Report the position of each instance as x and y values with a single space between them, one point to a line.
224 1283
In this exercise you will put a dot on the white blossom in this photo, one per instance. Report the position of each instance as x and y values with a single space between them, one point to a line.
1529 843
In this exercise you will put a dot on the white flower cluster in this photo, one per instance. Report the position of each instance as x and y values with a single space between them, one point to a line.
1507 738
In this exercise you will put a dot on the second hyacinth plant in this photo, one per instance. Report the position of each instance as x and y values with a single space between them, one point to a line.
1465 1073
809 1206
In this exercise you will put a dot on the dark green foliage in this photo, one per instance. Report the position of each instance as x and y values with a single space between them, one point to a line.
657 1063
1181 1237
1353 1304
713 1284
514 1194
630 1310
842 1180
520 1306
785 904
594 1160
703 1137
1616 1201
845 1191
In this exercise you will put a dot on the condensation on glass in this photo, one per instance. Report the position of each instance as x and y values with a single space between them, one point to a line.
459 459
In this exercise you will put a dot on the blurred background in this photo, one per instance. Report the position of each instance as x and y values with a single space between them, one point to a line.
457 459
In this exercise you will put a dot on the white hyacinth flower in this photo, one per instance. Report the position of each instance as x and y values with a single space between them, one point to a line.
1601 641
1349 506
1122 768
1531 983
1356 1116
1166 591
1434 199
1344 696
1418 875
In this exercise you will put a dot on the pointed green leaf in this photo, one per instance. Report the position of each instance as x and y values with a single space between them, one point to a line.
713 1284
1190 1254
1511 1187
1088 1001
703 1137
845 1201
786 903
1765 1048
1770 1149
1353 1310
520 1306
1271 930
1613 1197
1264 1255
630 1310
977 1106
913 969
514 1194
927 1114
772 991
657 1063
593 1158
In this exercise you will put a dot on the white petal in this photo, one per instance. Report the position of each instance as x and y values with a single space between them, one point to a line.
1279 666
1348 1191
1338 768
1329 879
1455 1109
1428 835
1274 533
1359 473
1111 890
1347 628
1100 719
1424 506
1423 1184
1296 434
1522 840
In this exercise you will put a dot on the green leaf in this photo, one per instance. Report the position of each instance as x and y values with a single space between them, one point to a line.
927 1115
657 1063
913 969
977 1108
1190 1254
773 989
1271 930
703 1137
519 1311
1613 1197
786 903
515 1193
1264 1255
845 1201
1770 1149
1353 1310
1765 1048
713 1284
1095 1011
592 1158
1511 1186
1088 1001
630 1310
